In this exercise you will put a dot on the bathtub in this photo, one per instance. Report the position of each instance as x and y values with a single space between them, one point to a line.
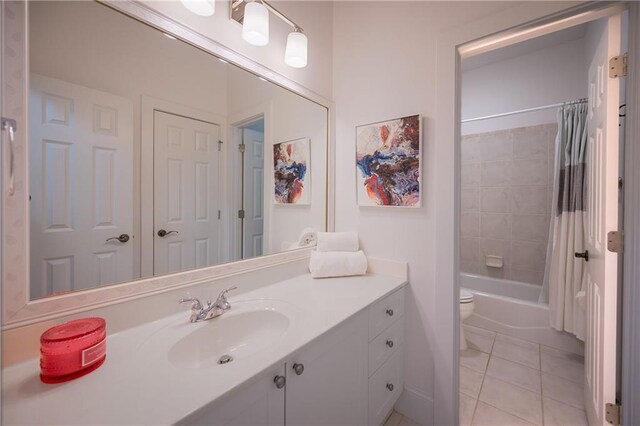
512 308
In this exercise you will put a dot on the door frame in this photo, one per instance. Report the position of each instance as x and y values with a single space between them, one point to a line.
149 105
236 122
630 390
515 25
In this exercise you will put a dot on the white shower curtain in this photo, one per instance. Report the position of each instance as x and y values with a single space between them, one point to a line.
564 283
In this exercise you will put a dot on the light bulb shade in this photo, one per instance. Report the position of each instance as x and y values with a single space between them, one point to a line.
255 27
295 55
200 7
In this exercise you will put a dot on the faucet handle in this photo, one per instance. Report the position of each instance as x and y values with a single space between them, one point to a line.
222 297
195 303
227 290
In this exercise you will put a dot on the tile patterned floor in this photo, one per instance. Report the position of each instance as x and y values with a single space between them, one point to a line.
397 419
507 381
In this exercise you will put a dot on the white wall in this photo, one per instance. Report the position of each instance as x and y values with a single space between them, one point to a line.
315 17
543 77
292 117
386 65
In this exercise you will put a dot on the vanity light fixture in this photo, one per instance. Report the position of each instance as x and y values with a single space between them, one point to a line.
295 54
255 27
200 7
254 18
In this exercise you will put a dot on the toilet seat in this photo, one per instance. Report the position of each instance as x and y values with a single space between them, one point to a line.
465 296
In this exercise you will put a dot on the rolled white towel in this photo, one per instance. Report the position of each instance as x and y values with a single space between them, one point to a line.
338 241
308 237
337 264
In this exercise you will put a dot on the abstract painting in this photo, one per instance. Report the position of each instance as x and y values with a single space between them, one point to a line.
388 163
292 178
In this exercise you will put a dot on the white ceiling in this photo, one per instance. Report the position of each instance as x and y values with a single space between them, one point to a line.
519 49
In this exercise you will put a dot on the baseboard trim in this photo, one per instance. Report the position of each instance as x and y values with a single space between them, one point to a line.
415 405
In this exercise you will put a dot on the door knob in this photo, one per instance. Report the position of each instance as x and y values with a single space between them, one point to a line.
123 238
584 255
280 381
163 233
298 368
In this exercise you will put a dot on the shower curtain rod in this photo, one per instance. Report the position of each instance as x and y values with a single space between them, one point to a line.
504 114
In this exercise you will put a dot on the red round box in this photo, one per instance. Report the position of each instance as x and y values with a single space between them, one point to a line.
72 349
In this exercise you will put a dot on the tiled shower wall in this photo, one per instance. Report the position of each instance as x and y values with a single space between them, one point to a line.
506 197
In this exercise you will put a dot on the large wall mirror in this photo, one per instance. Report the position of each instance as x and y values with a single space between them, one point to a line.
149 156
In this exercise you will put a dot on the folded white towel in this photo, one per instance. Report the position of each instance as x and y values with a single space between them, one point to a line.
337 264
308 237
338 241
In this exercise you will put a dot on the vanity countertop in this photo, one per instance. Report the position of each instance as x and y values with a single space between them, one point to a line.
137 385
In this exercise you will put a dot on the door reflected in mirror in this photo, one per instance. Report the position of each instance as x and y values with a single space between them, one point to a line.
149 156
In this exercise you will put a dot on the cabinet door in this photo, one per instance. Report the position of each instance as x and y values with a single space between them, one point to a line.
333 388
258 402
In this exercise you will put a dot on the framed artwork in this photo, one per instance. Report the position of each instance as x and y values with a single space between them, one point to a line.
388 163
292 172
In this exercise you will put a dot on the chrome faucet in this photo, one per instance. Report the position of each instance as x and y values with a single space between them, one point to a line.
213 310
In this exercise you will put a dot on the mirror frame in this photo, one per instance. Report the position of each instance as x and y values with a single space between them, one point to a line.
17 309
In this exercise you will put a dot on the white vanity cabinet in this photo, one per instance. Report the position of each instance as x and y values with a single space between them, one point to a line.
350 375
386 366
327 382
258 402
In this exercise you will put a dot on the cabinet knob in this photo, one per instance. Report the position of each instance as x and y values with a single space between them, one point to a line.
298 368
280 381
390 387
390 343
390 312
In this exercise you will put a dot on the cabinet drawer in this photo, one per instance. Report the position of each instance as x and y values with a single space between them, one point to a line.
383 346
385 387
384 312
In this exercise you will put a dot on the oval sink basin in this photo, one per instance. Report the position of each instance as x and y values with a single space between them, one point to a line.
238 334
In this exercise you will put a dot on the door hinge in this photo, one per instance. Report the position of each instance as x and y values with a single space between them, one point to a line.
219 214
242 147
240 214
612 413
615 241
219 145
618 66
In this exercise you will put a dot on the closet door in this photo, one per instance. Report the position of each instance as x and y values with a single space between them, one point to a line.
81 172
186 188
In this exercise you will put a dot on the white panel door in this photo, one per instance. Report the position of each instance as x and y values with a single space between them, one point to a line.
80 165
602 217
186 193
253 193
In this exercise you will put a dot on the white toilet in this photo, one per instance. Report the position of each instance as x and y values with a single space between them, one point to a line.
466 309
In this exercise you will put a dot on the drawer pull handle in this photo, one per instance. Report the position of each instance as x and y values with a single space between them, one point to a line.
280 381
298 368
390 312
390 387
390 343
